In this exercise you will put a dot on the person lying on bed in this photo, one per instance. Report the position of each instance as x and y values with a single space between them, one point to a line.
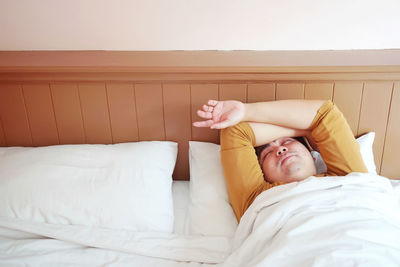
279 158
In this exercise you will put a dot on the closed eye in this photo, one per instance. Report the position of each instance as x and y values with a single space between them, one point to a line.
287 141
265 155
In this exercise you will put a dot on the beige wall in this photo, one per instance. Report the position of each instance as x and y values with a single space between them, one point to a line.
198 24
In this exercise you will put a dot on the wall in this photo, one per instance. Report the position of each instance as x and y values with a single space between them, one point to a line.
199 25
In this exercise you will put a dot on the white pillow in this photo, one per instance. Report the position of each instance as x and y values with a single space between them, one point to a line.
366 142
210 212
122 186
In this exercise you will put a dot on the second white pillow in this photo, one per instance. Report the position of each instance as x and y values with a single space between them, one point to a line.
210 212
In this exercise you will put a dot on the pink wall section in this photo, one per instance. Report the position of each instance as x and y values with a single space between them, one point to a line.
198 25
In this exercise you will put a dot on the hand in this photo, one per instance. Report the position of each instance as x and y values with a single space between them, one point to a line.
221 114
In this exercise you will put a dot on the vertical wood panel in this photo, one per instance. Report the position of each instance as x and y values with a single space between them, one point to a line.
233 92
150 114
200 94
121 101
95 113
318 91
260 92
347 96
289 91
2 137
178 124
13 115
374 114
68 113
40 112
390 161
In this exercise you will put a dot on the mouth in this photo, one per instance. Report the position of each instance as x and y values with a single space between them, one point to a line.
285 158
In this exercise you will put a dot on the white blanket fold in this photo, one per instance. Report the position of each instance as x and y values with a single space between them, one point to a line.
207 249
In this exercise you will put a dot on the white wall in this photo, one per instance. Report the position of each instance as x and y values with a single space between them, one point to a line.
199 24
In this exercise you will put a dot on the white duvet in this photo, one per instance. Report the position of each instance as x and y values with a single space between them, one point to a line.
332 221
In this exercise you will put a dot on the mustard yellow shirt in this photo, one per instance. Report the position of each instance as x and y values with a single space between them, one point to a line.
243 174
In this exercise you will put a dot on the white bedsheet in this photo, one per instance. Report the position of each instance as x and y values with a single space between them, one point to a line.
57 245
349 221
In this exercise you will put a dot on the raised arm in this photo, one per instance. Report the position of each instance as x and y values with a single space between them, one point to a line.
296 114
268 120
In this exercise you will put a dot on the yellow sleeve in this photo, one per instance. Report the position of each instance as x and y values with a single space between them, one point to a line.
336 142
243 174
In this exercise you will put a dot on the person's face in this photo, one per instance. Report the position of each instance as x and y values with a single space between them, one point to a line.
286 160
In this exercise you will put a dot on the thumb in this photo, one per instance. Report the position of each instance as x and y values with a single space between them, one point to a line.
220 125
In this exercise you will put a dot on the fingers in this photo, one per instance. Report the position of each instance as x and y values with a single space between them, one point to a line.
207 123
212 102
206 112
208 108
204 115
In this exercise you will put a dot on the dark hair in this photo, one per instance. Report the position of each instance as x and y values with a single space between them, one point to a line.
304 141
259 149
301 139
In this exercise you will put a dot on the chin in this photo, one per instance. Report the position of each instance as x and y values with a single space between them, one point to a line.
298 177
298 172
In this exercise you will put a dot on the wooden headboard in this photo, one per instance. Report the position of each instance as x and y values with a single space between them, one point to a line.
49 98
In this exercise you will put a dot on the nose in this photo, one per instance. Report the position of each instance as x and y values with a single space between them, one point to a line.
281 150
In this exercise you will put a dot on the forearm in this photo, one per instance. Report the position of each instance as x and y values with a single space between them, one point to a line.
294 114
265 133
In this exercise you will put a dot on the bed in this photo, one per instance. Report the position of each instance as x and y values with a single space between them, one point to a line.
100 165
